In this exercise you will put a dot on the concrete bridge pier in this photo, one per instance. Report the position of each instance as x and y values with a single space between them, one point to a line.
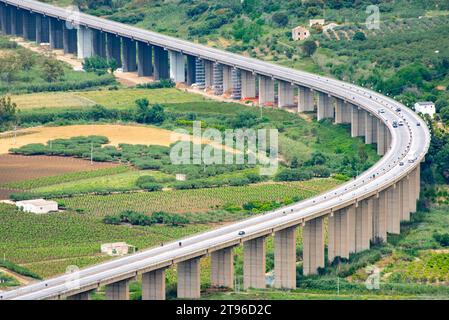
254 263
80 296
227 80
222 263
85 42
381 137
248 84
153 285
266 91
118 290
342 112
394 210
99 44
379 233
354 121
113 48
369 130
338 235
313 246
191 70
3 21
305 99
55 26
129 55
208 73
405 186
70 39
29 26
325 109
363 225
9 15
414 190
39 20
200 74
18 13
218 79
13 17
286 94
177 67
285 258
160 63
236 79
144 59
189 286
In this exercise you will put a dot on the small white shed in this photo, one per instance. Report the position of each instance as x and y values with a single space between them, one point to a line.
115 248
38 206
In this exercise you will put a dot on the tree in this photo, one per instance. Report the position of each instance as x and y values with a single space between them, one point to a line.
145 114
9 65
52 70
359 36
280 18
309 47
8 111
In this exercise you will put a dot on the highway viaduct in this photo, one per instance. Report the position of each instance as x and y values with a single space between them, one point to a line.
359 213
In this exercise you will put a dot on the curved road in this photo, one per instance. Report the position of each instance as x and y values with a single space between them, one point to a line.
408 141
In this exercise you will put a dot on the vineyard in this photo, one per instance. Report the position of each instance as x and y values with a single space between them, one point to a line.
197 200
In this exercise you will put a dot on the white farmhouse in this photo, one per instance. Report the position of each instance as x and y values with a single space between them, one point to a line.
425 107
115 249
38 206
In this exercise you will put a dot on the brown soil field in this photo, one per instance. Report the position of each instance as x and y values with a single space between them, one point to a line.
15 168
132 134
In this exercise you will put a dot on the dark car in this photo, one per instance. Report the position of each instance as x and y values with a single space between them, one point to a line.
241 233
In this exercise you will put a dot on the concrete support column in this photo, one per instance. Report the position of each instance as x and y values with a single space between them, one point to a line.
191 70
208 73
285 258
8 17
177 67
405 185
129 55
254 263
325 109
153 285
248 84
69 38
114 48
363 222
414 190
375 123
394 210
227 80
313 246
99 43
56 37
38 29
368 128
338 235
305 99
18 13
43 31
381 133
118 290
218 79
379 233
266 91
222 263
85 42
29 26
362 122
236 79
160 64
144 59
351 212
354 121
286 94
13 13
200 74
80 296
189 285
3 18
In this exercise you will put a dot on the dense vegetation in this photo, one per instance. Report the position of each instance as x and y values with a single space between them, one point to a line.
22 71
